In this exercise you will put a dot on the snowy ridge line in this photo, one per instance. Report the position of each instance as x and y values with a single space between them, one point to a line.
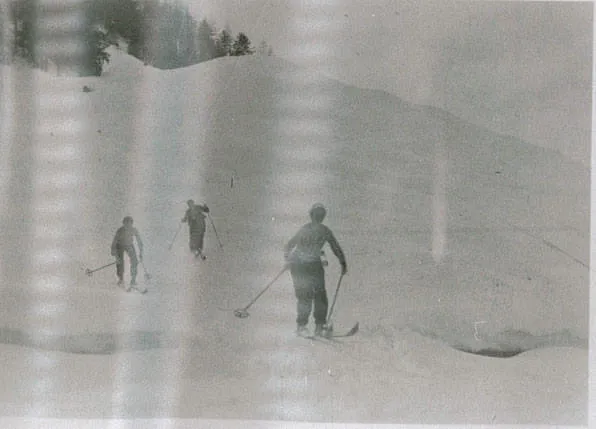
506 344
554 247
92 343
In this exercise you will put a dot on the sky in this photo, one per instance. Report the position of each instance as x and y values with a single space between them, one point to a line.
519 68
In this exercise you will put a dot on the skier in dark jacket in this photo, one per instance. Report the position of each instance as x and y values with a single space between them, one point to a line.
124 242
195 217
303 255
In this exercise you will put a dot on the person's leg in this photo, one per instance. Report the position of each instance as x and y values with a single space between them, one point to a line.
191 241
321 302
134 262
304 295
191 236
303 306
120 264
196 240
200 240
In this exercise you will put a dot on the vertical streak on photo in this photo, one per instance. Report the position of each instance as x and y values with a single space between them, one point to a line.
166 154
300 169
155 140
592 278
7 130
439 200
136 197
55 167
134 203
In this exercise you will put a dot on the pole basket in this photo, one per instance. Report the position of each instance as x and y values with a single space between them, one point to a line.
241 313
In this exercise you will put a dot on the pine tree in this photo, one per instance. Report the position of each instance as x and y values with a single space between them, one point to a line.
188 50
206 44
5 35
23 14
241 45
95 55
223 43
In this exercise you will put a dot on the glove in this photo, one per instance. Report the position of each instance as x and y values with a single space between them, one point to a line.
344 269
206 208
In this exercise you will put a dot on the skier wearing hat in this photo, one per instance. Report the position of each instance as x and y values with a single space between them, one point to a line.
124 242
195 217
303 255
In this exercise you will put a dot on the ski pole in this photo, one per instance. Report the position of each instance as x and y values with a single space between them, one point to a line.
215 230
90 272
329 324
147 275
175 235
241 312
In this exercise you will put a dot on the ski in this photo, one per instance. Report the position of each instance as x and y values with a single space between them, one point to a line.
141 290
349 333
331 336
128 289
319 338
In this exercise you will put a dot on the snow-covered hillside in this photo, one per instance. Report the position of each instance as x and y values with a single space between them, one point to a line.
456 239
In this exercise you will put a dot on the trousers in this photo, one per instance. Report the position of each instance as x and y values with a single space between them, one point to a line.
309 288
134 262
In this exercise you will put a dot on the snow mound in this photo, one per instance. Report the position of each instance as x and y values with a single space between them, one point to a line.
121 64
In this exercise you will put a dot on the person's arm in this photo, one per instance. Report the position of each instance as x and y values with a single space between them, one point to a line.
139 243
337 251
185 218
289 247
114 247
205 208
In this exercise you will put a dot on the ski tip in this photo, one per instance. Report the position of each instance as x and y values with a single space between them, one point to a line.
351 332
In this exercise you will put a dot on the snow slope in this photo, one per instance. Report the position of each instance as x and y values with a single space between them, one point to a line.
456 239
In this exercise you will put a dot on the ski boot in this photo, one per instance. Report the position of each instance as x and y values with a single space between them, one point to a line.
302 330
320 330
324 330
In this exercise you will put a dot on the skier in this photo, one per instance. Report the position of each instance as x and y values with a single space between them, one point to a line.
124 242
195 217
303 255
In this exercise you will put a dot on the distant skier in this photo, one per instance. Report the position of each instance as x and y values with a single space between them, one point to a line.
303 255
124 242
195 217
